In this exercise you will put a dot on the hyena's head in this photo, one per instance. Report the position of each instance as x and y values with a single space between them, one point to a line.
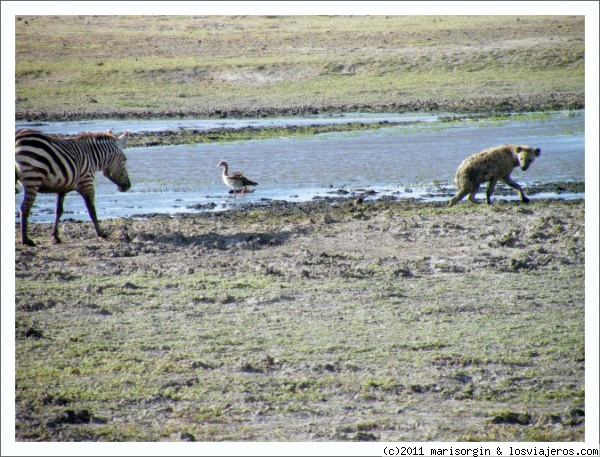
526 155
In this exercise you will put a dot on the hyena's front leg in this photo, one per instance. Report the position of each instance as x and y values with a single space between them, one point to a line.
508 180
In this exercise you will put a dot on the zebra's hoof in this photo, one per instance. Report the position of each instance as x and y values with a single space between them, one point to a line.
27 242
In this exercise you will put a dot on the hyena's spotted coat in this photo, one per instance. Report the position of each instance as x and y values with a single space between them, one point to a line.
490 165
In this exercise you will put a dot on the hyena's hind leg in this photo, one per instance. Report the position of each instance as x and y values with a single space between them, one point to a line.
490 190
473 193
458 197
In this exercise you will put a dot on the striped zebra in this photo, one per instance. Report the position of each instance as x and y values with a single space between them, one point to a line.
49 165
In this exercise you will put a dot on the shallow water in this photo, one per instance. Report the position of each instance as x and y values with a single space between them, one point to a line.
159 125
411 159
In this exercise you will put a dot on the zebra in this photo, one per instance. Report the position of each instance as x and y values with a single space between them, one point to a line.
49 165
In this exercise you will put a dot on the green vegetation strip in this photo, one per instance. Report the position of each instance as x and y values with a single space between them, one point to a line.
195 136
226 134
74 67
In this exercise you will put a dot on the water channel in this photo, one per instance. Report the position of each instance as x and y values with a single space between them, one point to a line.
411 159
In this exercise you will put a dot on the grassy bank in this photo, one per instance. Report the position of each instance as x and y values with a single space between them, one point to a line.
96 66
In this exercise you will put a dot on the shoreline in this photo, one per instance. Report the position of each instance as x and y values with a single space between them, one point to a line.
552 191
357 197
482 105
178 136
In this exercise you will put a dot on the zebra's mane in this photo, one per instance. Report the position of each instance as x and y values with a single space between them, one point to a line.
26 131
81 136
85 135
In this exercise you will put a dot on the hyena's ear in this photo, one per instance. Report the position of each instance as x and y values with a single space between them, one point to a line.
518 149
537 152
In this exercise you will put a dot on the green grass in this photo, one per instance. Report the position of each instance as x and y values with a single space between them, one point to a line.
193 136
186 63
204 352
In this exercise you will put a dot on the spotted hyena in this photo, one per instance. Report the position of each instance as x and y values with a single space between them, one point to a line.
490 165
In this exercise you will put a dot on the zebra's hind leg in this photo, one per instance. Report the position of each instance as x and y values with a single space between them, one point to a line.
91 207
28 199
60 198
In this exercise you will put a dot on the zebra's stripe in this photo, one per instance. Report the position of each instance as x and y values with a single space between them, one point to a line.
45 164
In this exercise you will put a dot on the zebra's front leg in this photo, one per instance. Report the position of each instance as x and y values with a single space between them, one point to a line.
91 207
60 198
26 205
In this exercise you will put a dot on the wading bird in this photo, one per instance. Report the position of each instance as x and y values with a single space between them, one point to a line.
236 180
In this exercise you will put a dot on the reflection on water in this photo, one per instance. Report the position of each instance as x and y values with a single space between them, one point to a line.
408 159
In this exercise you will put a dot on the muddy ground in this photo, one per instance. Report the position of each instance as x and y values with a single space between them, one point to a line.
491 105
386 320
275 229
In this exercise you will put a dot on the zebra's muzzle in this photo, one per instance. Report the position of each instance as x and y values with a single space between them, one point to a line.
125 187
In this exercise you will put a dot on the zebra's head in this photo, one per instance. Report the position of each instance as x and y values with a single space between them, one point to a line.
116 169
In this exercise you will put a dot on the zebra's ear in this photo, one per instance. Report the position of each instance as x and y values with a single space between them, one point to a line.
109 132
123 138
